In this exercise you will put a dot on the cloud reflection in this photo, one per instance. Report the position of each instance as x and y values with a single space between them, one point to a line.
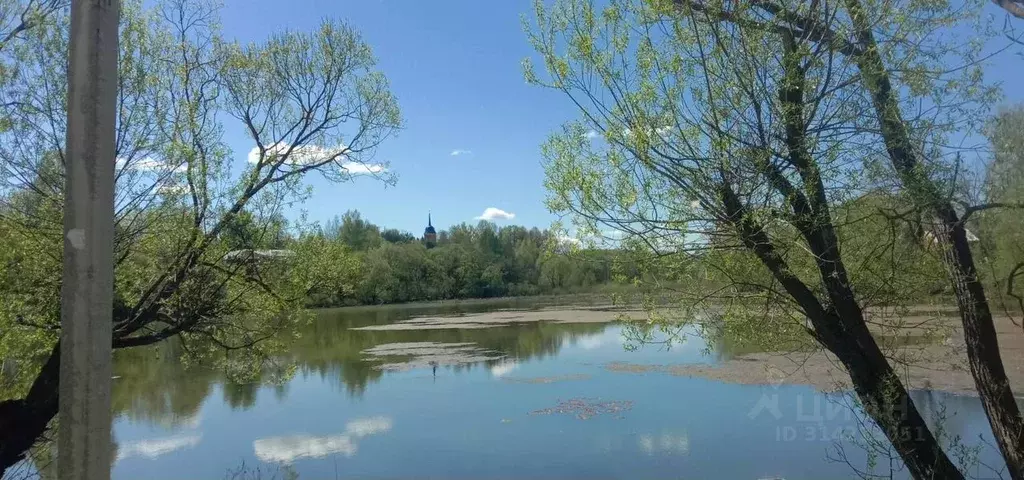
503 368
591 342
608 337
155 447
664 443
287 449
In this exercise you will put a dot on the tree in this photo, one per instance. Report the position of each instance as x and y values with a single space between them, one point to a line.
913 164
358 234
310 102
393 235
245 231
1002 230
741 126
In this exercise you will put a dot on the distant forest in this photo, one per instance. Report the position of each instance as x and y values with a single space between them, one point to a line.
383 265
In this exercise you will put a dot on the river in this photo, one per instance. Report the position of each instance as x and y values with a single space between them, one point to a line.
506 389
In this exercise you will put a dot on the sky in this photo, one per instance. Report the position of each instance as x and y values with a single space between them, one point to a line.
473 127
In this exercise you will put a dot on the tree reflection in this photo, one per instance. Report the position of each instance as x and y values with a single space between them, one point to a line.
153 386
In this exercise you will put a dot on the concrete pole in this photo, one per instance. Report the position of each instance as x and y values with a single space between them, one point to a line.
83 440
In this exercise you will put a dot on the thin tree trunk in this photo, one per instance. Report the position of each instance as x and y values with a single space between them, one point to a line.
23 421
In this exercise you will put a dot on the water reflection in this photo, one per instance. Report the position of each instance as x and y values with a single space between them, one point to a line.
591 342
287 449
664 443
473 421
503 368
153 387
155 447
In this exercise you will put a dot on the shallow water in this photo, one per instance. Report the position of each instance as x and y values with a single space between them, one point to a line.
549 408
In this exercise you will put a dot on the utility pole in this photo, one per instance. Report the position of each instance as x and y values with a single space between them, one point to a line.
86 307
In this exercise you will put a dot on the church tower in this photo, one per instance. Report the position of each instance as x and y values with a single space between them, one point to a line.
429 234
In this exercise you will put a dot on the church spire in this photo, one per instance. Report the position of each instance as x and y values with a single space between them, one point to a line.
429 234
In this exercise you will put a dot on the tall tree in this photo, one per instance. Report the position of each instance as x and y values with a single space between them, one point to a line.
1002 230
879 54
357 233
310 102
741 125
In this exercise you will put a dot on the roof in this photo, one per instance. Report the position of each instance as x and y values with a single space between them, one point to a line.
430 227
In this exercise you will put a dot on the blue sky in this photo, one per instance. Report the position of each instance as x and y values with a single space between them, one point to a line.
455 67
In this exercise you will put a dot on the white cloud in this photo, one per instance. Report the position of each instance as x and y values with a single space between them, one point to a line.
356 168
148 164
566 244
153 448
313 154
290 448
458 152
171 189
590 135
565 240
491 213
301 155
662 131
503 368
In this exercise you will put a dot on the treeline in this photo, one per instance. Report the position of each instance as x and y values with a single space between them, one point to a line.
467 261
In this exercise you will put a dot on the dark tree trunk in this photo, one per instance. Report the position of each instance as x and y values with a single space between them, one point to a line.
983 353
843 331
23 421
886 399
982 343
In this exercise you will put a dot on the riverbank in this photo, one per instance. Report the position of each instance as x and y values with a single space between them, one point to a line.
924 343
507 317
938 364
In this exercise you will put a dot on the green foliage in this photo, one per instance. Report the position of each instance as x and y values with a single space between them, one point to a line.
155 388
310 102
685 99
354 232
467 262
1001 230
244 231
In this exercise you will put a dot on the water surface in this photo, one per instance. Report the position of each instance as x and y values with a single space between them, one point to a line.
549 408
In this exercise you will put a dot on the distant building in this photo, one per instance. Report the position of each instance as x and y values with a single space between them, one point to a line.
429 234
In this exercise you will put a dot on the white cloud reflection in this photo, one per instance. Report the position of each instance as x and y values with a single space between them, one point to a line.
591 342
287 449
503 368
665 443
155 447
609 337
